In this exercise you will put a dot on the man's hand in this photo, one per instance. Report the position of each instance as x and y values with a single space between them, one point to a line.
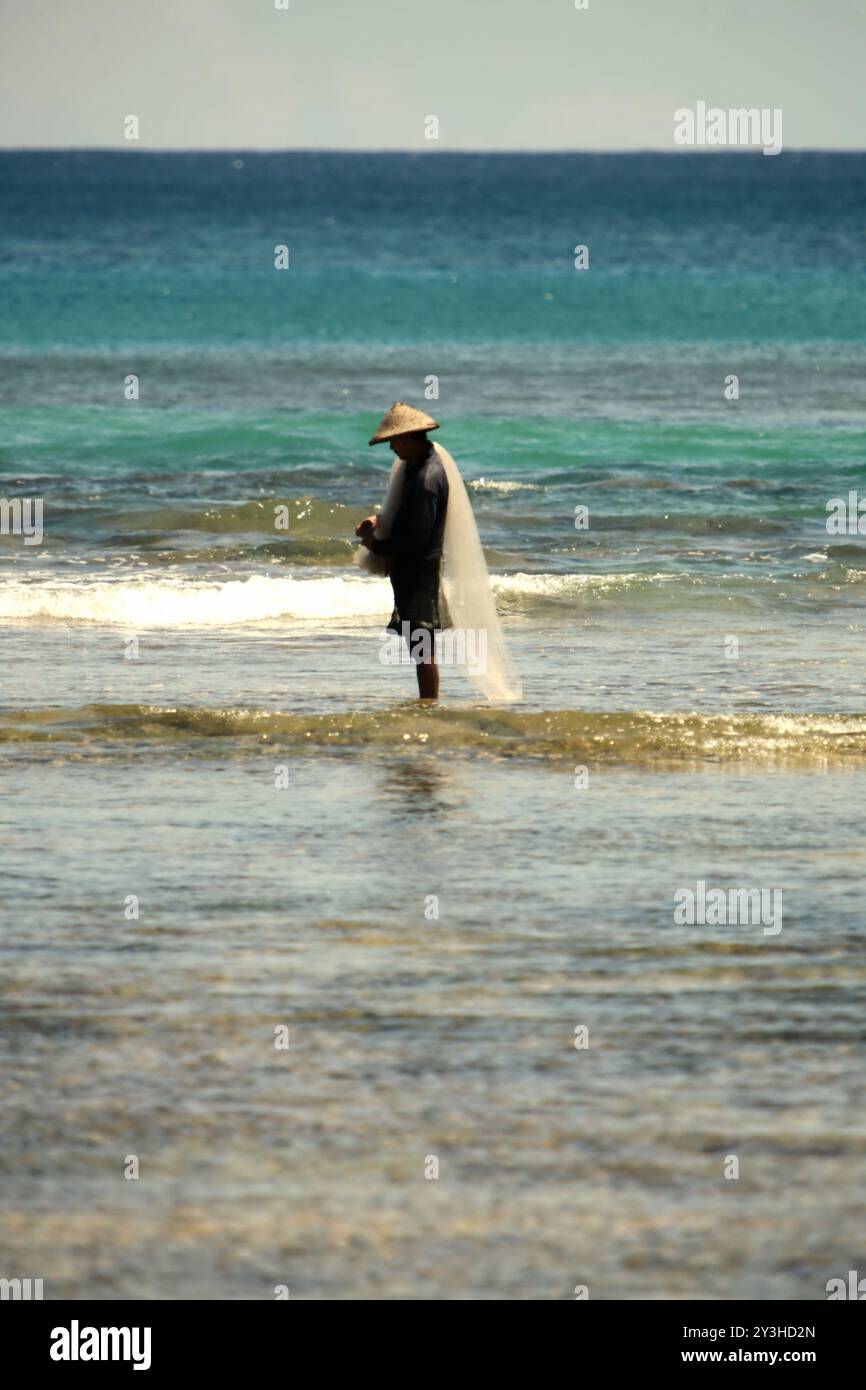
366 528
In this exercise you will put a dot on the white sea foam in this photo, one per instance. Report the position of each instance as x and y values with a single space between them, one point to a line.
562 585
493 485
161 603
165 603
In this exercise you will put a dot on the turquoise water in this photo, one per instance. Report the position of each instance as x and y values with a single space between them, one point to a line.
166 652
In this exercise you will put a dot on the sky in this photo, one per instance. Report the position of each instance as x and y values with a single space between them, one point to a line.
366 74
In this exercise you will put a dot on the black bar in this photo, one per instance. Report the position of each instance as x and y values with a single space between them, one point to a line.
227 1338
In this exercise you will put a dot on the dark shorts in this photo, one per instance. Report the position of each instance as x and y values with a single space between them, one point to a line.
418 598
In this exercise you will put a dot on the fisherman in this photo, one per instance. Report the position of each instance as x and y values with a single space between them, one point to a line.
413 545
426 540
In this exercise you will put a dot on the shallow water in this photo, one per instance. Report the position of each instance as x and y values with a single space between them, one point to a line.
410 1037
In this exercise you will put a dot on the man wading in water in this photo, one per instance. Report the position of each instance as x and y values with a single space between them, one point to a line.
426 540
411 540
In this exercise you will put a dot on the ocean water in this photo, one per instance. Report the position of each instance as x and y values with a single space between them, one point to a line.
194 716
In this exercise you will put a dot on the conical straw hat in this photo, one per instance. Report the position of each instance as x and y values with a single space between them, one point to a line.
402 419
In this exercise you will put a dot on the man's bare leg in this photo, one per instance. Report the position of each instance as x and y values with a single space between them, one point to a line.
428 680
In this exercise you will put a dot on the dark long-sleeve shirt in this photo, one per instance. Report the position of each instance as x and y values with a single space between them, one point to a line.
418 529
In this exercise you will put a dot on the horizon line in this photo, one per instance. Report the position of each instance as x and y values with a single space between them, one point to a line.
310 149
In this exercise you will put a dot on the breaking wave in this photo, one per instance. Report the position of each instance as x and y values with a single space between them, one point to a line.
167 603
572 737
